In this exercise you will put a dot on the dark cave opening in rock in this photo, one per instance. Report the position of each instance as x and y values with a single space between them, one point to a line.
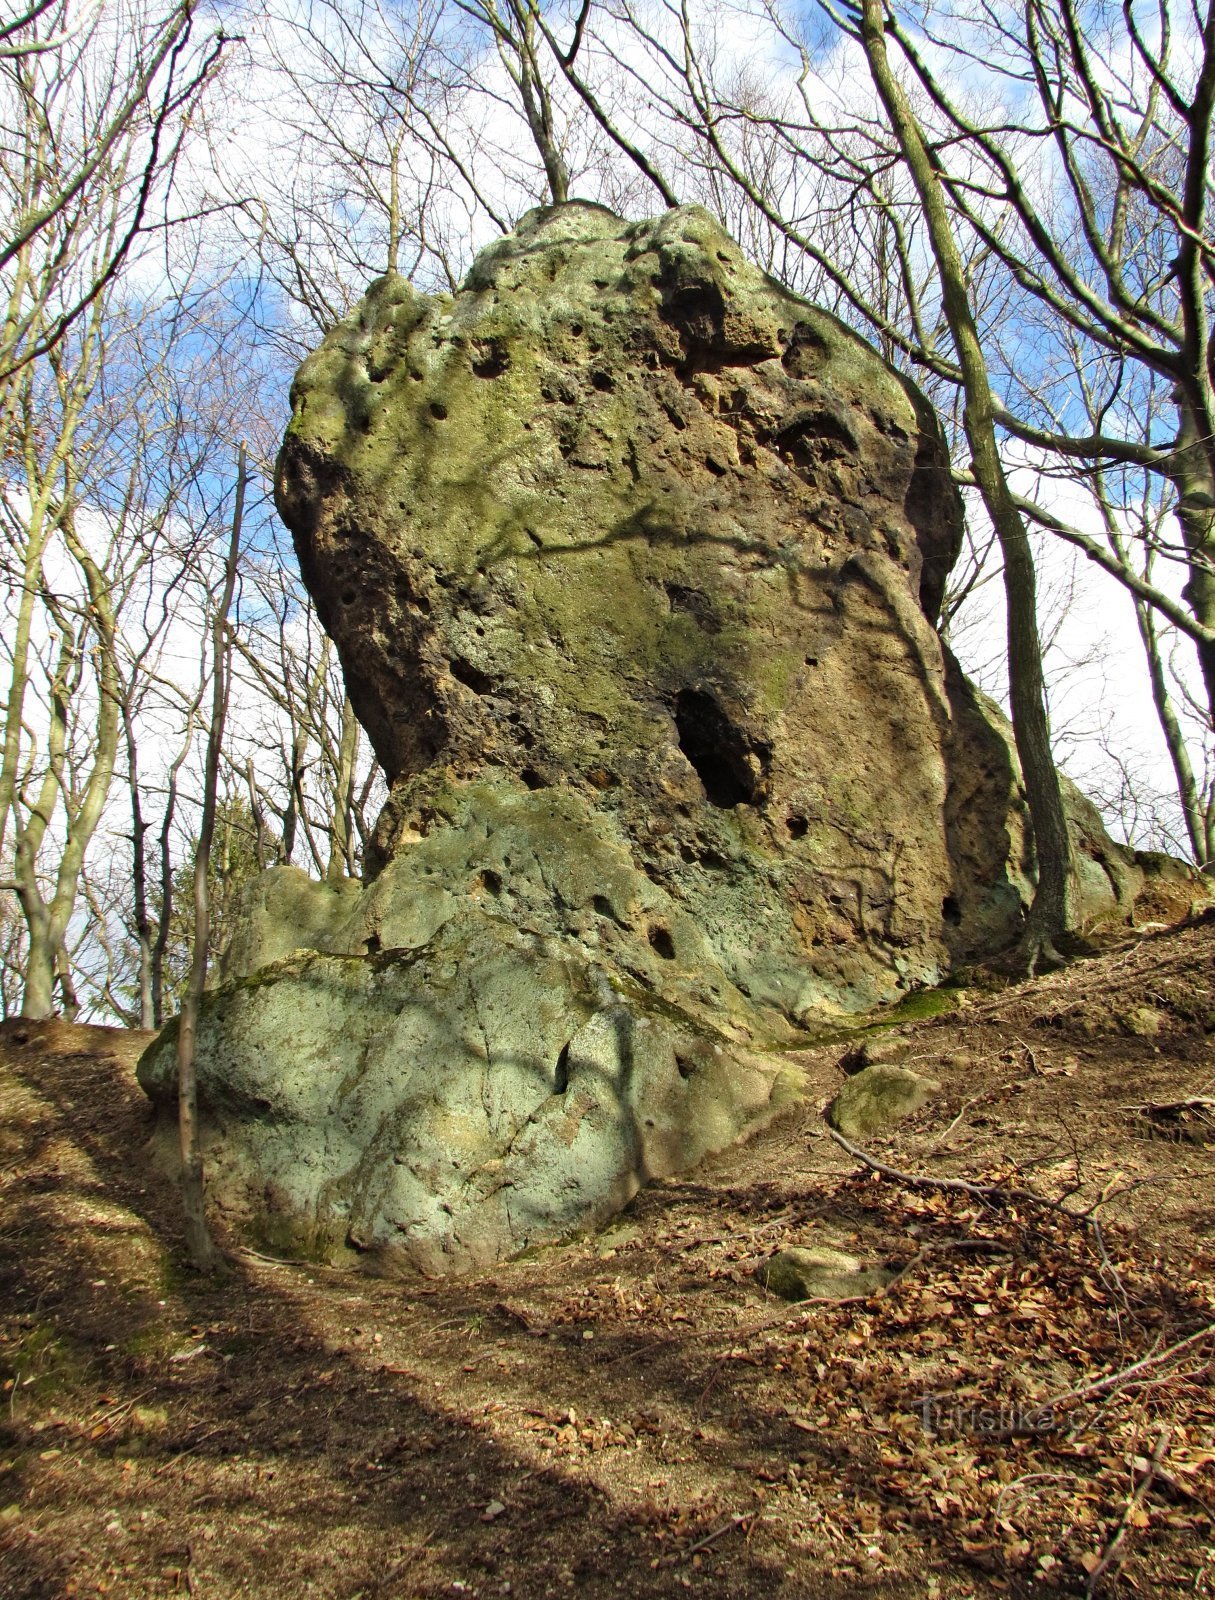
471 677
561 1072
715 747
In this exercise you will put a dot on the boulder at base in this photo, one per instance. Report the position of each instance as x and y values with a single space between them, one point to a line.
820 1272
633 561
466 1066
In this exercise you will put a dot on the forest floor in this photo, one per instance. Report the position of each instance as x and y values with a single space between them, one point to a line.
634 1415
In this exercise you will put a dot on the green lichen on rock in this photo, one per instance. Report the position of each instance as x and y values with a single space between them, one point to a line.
614 515
632 560
819 1272
450 1102
625 515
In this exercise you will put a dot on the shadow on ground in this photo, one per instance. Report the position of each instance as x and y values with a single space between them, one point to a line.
305 1432
632 1415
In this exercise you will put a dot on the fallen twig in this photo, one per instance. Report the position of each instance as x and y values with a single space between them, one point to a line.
1119 1380
180 1455
109 1420
694 1243
1197 1102
1030 1057
941 1142
1115 1547
735 1520
996 1194
284 1261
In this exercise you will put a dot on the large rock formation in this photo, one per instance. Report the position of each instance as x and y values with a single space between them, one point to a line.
449 1072
632 559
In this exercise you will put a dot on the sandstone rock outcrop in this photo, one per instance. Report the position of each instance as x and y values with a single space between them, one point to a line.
875 1098
820 1272
632 559
625 515
429 1072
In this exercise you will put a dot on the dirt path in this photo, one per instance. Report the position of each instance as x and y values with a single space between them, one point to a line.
635 1415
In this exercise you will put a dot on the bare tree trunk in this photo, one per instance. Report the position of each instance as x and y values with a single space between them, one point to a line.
394 203
38 993
295 792
67 987
1194 477
565 60
267 851
1050 915
198 1236
139 871
515 36
341 829
537 106
48 915
165 917
1197 819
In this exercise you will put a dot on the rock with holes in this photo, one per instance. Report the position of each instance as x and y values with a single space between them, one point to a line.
632 560
450 1073
626 517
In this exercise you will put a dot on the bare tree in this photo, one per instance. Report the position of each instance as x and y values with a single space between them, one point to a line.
198 1236
1050 915
92 116
374 172
76 655
1101 267
1069 150
515 28
307 773
92 113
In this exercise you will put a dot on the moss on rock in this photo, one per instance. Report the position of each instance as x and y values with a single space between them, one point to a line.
819 1273
632 559
877 1097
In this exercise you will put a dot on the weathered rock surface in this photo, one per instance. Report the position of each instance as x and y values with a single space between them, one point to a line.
877 1097
625 515
494 1043
632 560
448 1102
820 1272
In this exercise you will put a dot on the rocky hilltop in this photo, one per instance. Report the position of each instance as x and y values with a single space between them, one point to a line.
633 561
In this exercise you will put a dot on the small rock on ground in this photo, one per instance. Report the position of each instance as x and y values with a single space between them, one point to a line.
876 1098
820 1273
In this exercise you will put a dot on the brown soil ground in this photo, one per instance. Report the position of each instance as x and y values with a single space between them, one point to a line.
635 1415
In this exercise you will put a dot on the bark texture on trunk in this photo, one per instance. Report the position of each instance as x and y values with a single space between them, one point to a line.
1051 914
199 1243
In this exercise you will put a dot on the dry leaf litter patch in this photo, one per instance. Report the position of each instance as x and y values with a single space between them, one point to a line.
1027 1409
